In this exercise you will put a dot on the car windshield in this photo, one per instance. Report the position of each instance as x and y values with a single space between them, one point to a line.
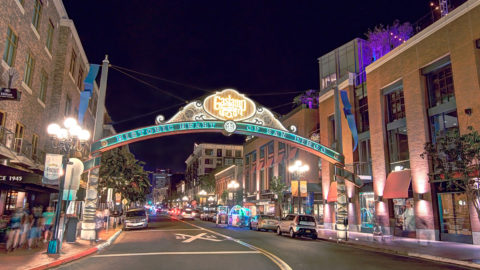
139 213
306 218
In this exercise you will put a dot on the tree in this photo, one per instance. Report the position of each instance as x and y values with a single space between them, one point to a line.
207 182
224 196
278 187
383 39
455 160
120 171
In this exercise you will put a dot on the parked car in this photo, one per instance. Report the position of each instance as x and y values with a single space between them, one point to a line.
187 214
263 222
136 218
298 225
196 213
212 216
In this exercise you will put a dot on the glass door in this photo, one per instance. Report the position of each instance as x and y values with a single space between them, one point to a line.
454 218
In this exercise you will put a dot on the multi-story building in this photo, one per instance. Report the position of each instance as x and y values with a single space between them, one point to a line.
206 157
41 48
233 173
266 158
160 184
417 92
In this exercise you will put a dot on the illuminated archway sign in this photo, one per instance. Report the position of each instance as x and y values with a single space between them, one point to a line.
226 112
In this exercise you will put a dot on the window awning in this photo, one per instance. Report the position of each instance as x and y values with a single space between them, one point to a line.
332 192
269 163
292 153
397 184
260 165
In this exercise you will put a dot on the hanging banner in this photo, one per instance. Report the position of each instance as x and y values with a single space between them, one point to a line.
53 169
347 110
303 188
294 187
87 93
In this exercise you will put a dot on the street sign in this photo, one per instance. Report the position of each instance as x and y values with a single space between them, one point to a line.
190 238
9 94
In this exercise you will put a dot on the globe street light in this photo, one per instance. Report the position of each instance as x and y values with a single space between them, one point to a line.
298 169
233 185
70 137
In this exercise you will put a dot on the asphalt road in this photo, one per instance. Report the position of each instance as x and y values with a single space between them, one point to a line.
173 244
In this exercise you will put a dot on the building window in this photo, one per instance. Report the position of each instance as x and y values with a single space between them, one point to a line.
2 118
43 86
68 106
398 148
219 162
22 2
238 153
331 130
93 103
219 152
441 123
395 105
281 171
208 170
11 200
208 161
80 78
270 148
262 179
254 181
209 152
440 86
29 68
49 36
262 152
10 47
238 161
281 146
37 12
19 130
247 159
361 101
254 156
270 176
247 181
73 60
34 144
229 153
229 161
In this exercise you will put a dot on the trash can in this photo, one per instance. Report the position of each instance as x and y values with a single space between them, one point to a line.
71 230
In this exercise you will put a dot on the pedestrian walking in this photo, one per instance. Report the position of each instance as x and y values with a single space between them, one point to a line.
106 216
98 224
26 222
13 237
35 229
48 219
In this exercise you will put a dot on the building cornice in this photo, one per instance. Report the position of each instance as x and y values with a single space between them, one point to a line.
436 26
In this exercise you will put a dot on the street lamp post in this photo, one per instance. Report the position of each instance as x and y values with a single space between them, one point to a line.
298 169
67 138
233 185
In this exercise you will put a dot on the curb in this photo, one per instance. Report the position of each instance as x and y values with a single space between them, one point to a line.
80 254
421 256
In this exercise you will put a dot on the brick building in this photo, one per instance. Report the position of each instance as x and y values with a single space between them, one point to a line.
40 43
419 90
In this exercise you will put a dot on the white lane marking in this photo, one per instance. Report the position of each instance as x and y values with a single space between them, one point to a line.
191 238
279 262
179 253
164 230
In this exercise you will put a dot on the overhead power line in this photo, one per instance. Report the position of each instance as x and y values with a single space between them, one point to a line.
147 114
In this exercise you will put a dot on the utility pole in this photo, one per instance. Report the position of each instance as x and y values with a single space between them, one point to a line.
88 224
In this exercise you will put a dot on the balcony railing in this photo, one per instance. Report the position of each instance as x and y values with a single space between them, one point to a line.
22 147
360 168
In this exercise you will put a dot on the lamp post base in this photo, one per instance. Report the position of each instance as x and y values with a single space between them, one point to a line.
53 246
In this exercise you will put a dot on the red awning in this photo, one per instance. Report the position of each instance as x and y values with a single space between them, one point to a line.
269 163
332 192
397 184
292 153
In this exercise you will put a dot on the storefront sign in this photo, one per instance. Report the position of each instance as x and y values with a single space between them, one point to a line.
11 178
9 94
229 105
241 128
53 169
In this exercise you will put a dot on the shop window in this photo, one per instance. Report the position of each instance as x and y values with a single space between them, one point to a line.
395 105
454 217
398 148
440 86
209 152
11 200
37 13
367 210
238 153
29 69
219 152
229 153
10 47
404 215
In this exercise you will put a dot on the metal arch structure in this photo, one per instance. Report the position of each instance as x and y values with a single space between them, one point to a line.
227 112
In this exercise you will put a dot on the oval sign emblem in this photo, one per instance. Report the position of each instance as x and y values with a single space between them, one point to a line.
229 105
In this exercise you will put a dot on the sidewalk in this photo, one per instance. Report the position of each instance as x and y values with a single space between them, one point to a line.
447 252
38 258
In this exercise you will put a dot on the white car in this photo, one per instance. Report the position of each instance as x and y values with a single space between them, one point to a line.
187 214
136 218
298 225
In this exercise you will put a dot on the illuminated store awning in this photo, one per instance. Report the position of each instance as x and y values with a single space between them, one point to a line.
397 184
332 192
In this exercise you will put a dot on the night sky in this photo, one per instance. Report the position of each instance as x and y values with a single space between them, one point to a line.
256 47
